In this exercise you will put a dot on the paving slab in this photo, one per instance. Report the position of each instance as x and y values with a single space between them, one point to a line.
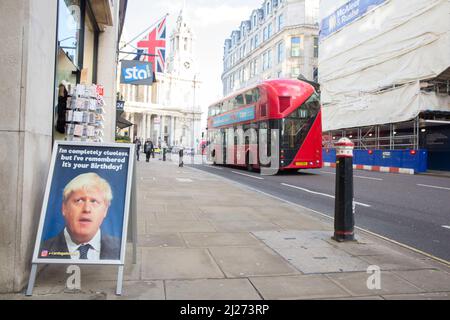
309 251
100 290
60 295
178 263
177 215
182 206
421 296
427 280
356 283
216 239
251 261
227 210
161 240
135 290
243 226
360 298
211 289
294 239
322 260
170 226
360 248
300 223
396 261
149 206
297 287
232 215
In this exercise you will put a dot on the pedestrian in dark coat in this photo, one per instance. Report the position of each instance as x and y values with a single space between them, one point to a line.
152 149
147 149
137 143
180 160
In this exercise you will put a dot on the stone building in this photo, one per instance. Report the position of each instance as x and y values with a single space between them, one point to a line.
280 40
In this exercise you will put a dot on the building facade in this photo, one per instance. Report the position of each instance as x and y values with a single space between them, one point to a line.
168 110
43 43
384 70
280 40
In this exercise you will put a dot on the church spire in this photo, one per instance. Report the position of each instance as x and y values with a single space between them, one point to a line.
182 17
182 38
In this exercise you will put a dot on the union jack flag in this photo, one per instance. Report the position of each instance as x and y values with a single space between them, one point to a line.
155 43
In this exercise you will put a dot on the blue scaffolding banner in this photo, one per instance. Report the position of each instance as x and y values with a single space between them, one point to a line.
346 14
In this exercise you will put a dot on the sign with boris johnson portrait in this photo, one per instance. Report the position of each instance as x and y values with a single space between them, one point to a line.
84 215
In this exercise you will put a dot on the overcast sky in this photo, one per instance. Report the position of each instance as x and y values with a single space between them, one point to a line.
212 21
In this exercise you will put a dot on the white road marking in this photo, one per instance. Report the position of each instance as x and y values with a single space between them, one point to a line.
435 187
370 178
446 227
361 177
323 194
309 191
247 175
214 167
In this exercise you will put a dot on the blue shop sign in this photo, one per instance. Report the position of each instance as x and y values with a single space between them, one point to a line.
136 72
346 14
245 114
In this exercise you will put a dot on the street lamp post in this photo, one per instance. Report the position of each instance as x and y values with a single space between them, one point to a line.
193 123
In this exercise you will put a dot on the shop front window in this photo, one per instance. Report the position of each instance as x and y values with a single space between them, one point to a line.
69 26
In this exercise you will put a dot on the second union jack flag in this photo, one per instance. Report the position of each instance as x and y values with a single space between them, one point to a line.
155 43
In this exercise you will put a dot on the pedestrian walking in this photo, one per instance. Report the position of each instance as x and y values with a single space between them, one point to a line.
152 149
148 145
137 143
180 158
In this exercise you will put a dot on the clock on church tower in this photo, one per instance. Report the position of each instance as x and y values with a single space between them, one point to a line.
181 55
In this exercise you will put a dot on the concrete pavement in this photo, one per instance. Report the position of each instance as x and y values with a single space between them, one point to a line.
204 237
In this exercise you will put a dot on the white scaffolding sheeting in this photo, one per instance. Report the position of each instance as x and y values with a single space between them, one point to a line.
395 105
396 44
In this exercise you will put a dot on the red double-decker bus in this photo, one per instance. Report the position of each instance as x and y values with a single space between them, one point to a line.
291 106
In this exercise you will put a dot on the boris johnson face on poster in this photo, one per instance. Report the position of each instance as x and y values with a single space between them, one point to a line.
85 203
84 211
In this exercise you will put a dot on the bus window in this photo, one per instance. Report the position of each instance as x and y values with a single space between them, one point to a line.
249 97
239 101
226 106
264 110
255 93
296 126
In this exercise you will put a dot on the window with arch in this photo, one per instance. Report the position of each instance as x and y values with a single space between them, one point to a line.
268 7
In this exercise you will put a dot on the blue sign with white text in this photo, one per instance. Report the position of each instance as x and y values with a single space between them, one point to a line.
136 72
245 114
346 14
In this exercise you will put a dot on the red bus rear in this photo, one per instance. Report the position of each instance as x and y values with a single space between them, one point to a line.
291 106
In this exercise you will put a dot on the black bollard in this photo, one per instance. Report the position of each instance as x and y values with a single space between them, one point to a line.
164 154
344 219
